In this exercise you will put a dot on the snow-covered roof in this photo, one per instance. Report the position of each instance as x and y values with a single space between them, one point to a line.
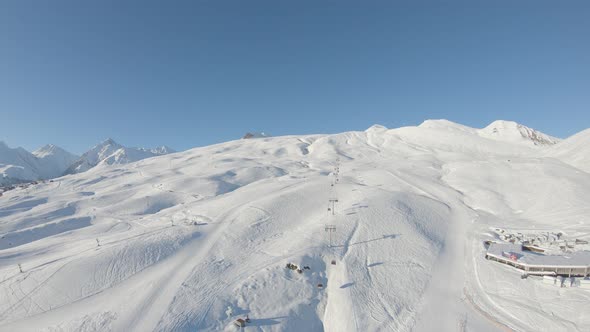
578 258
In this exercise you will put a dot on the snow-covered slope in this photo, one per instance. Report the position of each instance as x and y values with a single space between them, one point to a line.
160 150
169 243
19 165
54 160
574 150
110 152
511 131
50 161
447 125
500 130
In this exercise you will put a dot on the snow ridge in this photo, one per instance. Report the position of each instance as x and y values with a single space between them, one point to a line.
574 150
514 132
54 160
18 165
110 152
500 130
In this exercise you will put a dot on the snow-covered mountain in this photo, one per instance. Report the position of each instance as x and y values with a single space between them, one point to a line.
169 243
19 165
110 152
160 150
574 150
511 131
54 160
500 130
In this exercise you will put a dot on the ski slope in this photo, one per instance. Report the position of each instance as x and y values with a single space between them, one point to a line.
183 236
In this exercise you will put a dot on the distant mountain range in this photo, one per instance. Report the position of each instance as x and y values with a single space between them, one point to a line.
110 152
18 165
53 160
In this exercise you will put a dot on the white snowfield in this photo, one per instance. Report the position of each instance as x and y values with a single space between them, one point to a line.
169 243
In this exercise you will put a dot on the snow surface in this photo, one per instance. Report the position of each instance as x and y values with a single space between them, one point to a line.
50 161
54 160
515 132
507 131
577 258
183 236
19 165
16 164
573 150
110 152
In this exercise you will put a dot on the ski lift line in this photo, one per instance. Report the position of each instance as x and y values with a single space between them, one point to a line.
330 229
332 205
36 267
42 283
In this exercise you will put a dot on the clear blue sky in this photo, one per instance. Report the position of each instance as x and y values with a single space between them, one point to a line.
192 73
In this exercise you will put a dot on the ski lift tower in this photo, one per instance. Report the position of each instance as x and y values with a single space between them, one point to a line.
330 229
332 205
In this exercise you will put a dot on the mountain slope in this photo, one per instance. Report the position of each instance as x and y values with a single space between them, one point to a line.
110 152
160 150
168 243
54 160
574 150
511 131
500 130
50 161
17 165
